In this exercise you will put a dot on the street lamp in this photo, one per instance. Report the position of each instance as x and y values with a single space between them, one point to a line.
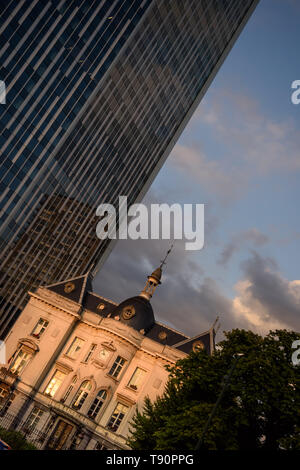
226 382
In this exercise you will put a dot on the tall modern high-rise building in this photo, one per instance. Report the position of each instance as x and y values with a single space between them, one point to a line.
97 93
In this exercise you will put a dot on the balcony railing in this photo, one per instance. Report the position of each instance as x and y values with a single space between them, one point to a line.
9 422
7 376
85 421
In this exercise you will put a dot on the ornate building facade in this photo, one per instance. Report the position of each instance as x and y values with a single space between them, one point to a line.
79 365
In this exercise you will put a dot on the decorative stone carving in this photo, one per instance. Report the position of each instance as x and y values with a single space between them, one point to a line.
98 364
57 300
64 367
26 319
69 287
109 345
55 333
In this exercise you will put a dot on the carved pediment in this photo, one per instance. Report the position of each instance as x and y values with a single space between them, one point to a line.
29 344
64 367
109 345
125 399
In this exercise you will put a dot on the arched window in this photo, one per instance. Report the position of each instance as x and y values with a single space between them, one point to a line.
69 389
82 394
97 404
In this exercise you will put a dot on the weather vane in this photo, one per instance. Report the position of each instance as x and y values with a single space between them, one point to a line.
167 254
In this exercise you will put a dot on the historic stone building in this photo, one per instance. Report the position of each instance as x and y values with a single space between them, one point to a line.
79 365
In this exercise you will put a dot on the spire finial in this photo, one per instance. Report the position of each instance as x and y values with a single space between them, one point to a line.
162 262
154 279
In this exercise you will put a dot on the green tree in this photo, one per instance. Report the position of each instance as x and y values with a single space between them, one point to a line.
15 440
260 408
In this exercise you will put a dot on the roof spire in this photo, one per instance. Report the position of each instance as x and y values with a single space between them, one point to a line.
155 279
162 262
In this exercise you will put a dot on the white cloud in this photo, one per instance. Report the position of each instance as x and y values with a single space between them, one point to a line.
259 143
211 175
265 299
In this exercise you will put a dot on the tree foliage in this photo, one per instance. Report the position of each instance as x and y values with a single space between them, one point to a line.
15 439
260 408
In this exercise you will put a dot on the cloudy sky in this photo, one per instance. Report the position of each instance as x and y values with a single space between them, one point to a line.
240 156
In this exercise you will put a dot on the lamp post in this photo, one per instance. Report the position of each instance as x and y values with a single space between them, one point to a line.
226 382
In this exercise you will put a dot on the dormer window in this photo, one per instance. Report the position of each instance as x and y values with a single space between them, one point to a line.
39 328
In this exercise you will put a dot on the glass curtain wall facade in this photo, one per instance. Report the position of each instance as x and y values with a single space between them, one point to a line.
97 92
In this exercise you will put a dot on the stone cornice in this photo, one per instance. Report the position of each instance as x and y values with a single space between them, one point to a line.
107 325
56 301
63 367
172 359
126 399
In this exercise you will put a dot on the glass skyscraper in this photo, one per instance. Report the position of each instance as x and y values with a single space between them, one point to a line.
97 93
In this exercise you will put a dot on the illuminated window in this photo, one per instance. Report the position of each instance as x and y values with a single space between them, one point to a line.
55 383
117 367
75 347
20 360
97 404
40 328
137 379
90 353
117 417
82 394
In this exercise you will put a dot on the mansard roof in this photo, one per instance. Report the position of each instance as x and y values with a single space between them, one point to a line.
80 290
165 335
74 288
204 340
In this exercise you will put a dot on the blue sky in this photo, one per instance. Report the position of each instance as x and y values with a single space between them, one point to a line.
239 155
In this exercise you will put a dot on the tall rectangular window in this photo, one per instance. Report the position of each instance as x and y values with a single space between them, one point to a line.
19 362
75 348
90 353
34 418
69 390
55 383
39 328
117 417
117 367
137 378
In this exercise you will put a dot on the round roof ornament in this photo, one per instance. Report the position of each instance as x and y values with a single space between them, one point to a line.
69 287
128 312
198 346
